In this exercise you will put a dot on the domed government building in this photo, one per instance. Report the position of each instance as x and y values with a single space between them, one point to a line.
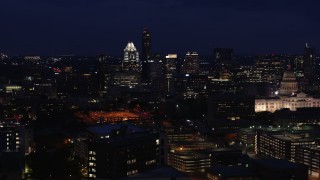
288 96
289 84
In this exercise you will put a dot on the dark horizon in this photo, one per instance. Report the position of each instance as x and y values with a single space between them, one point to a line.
84 27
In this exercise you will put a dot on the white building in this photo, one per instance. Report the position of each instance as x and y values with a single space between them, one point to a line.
300 100
288 97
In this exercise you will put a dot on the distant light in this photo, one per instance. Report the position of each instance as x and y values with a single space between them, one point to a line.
171 56
187 75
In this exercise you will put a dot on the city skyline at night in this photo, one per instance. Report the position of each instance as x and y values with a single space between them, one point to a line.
166 89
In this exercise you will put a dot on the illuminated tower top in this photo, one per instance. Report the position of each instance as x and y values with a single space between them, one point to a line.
131 61
130 47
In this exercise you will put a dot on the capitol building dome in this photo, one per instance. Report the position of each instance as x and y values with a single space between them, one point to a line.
289 84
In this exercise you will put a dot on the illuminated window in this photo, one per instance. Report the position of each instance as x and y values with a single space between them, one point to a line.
92 152
150 162
131 161
92 164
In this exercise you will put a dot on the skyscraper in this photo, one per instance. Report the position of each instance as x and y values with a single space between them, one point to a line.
101 71
223 61
191 63
131 61
309 63
156 71
170 71
146 53
129 77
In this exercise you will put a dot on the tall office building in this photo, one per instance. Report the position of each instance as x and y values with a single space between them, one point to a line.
156 71
101 72
170 71
131 61
130 75
223 56
146 53
223 62
191 63
116 151
309 63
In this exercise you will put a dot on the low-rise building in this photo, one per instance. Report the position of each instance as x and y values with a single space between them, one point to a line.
310 156
190 162
282 146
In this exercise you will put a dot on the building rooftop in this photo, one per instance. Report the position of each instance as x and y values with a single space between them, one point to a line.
123 115
293 138
265 129
107 129
190 155
230 171
162 172
277 163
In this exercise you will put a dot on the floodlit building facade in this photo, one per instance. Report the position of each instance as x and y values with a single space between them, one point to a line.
288 97
131 61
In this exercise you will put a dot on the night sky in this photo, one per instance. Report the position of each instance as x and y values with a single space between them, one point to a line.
88 27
